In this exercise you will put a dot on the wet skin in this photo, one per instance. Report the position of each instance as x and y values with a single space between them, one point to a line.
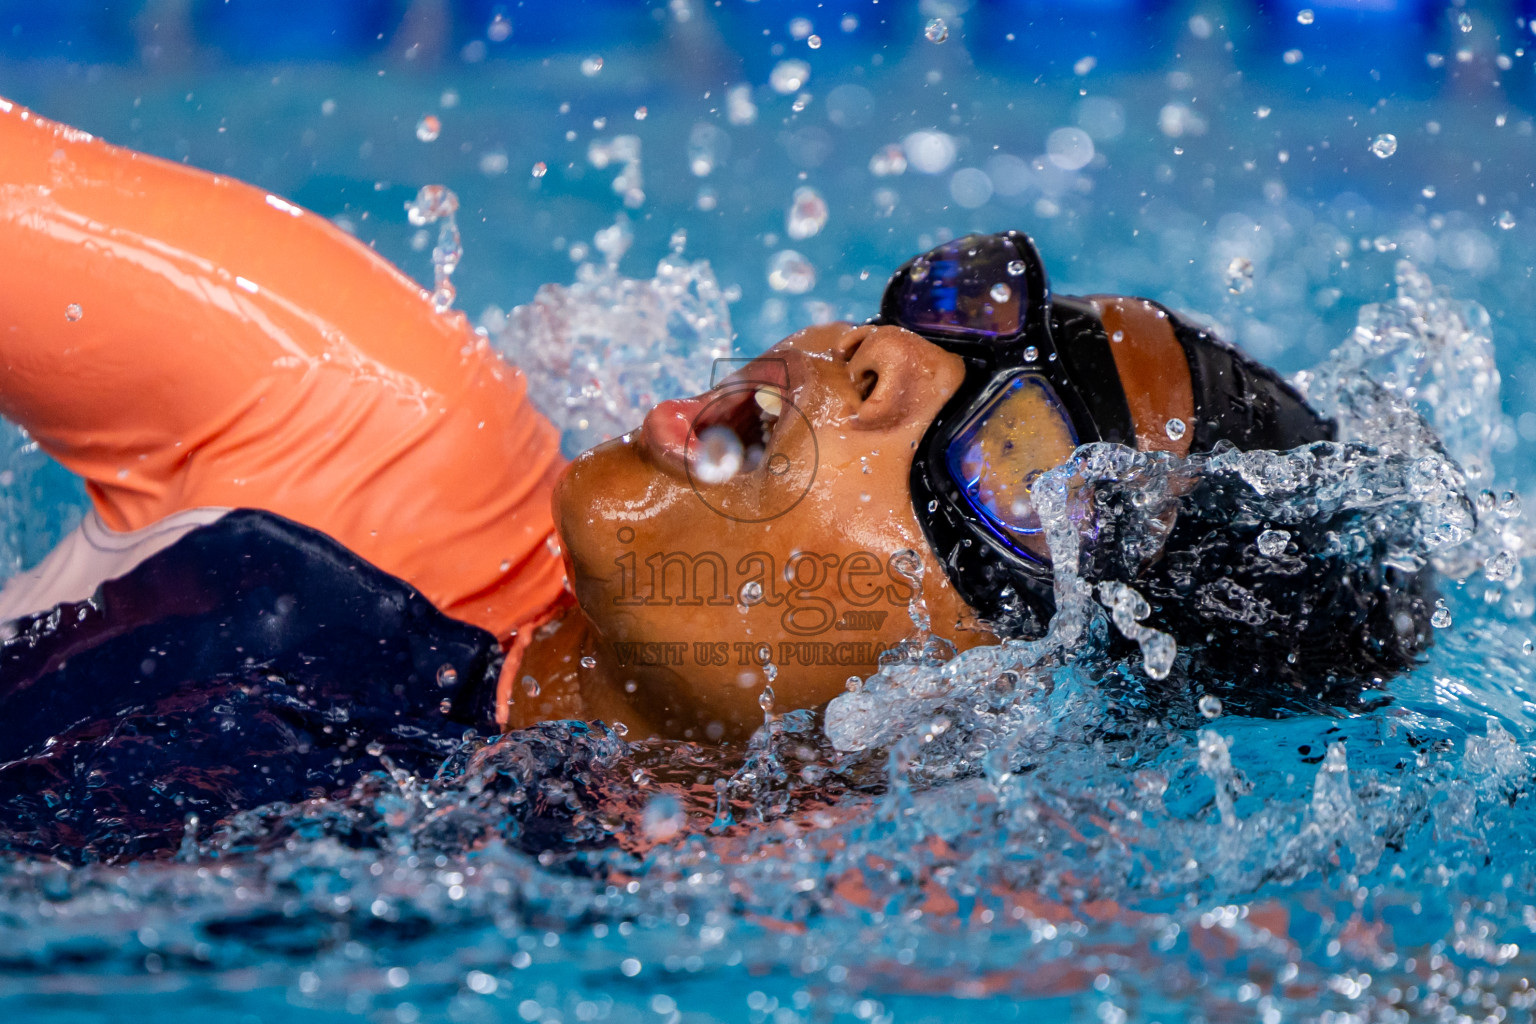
665 556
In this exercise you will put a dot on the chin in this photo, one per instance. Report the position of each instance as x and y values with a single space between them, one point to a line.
607 500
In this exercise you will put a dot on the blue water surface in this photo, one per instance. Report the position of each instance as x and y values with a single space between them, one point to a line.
1232 160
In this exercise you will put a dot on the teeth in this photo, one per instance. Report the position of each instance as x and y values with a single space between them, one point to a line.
768 401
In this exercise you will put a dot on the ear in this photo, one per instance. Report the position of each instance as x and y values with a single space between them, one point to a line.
898 377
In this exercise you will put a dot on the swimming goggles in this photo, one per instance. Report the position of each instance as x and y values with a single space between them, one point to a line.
1026 403
1040 380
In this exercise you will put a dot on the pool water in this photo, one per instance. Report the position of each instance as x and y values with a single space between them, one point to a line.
995 840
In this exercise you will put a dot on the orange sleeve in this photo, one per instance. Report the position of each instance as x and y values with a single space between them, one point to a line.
180 339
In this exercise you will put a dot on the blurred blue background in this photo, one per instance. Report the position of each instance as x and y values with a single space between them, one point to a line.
1224 158
1196 111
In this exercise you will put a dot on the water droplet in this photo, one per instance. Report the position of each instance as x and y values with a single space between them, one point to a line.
1210 706
1069 148
614 241
1528 647
429 128
1239 275
1501 566
1272 543
919 270
591 66
1509 505
789 76
447 676
1001 292
1016 267
641 113
1384 145
933 505
707 144
718 454
1031 353
374 749
493 163
790 272
500 29
1506 220
540 169
807 214
587 661
73 312
438 203
765 699
530 686
1175 428
887 161
1464 21
936 31
739 108
1442 616
751 592
814 42
663 818
1117 337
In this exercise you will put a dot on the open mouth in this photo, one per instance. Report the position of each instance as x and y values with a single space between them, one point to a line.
732 433
717 435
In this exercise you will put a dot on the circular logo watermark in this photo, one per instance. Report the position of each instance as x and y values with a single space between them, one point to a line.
751 486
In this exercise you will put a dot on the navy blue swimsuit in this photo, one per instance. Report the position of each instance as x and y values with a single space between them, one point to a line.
255 660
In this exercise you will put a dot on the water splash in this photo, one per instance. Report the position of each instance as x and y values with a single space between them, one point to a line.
438 204
1008 825
1127 608
1392 474
624 150
600 352
807 214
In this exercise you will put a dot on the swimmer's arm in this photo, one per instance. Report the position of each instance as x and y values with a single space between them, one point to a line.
180 339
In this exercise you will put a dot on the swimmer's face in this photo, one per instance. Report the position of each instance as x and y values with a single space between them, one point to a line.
763 532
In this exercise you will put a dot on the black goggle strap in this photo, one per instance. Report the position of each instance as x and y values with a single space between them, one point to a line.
1094 390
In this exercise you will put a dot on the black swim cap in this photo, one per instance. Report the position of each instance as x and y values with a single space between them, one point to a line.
1240 400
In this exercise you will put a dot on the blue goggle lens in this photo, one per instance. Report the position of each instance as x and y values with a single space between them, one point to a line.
972 286
1003 448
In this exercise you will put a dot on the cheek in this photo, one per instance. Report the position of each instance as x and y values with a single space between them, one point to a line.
604 500
863 494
